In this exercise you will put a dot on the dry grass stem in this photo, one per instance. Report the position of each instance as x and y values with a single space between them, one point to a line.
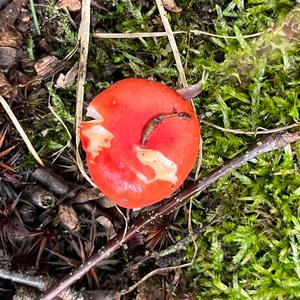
135 35
20 130
257 132
84 33
172 41
58 153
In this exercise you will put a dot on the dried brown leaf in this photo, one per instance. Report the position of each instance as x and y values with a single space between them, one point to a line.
8 57
11 12
108 227
46 65
87 195
68 216
10 37
72 5
6 89
170 5
191 91
106 203
64 81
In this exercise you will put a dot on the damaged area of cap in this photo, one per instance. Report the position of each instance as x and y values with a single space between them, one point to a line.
96 137
93 113
164 168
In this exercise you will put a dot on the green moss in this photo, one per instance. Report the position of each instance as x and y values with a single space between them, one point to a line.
253 254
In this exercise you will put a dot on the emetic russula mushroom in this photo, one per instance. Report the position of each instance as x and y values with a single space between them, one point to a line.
142 143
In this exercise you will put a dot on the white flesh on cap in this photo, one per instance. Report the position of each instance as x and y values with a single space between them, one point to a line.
99 138
93 113
164 168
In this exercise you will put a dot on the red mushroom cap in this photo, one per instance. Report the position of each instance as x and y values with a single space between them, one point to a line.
143 142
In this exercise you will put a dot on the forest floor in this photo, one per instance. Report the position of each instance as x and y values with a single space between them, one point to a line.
240 237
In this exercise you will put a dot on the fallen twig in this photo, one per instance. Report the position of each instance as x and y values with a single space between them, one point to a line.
39 282
54 182
268 143
42 282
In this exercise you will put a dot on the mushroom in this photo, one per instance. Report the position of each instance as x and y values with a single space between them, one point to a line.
142 143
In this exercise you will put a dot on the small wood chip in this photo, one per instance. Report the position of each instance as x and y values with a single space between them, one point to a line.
68 216
46 65
6 89
8 57
10 37
72 5
64 81
170 5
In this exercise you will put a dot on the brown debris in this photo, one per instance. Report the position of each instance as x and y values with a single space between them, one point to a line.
170 5
72 5
191 91
10 37
18 78
64 81
46 65
291 29
40 196
87 195
147 291
53 182
105 203
68 216
11 12
102 295
5 152
24 21
10 41
108 227
6 89
8 56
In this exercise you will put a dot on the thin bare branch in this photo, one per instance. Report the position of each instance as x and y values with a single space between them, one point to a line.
39 282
